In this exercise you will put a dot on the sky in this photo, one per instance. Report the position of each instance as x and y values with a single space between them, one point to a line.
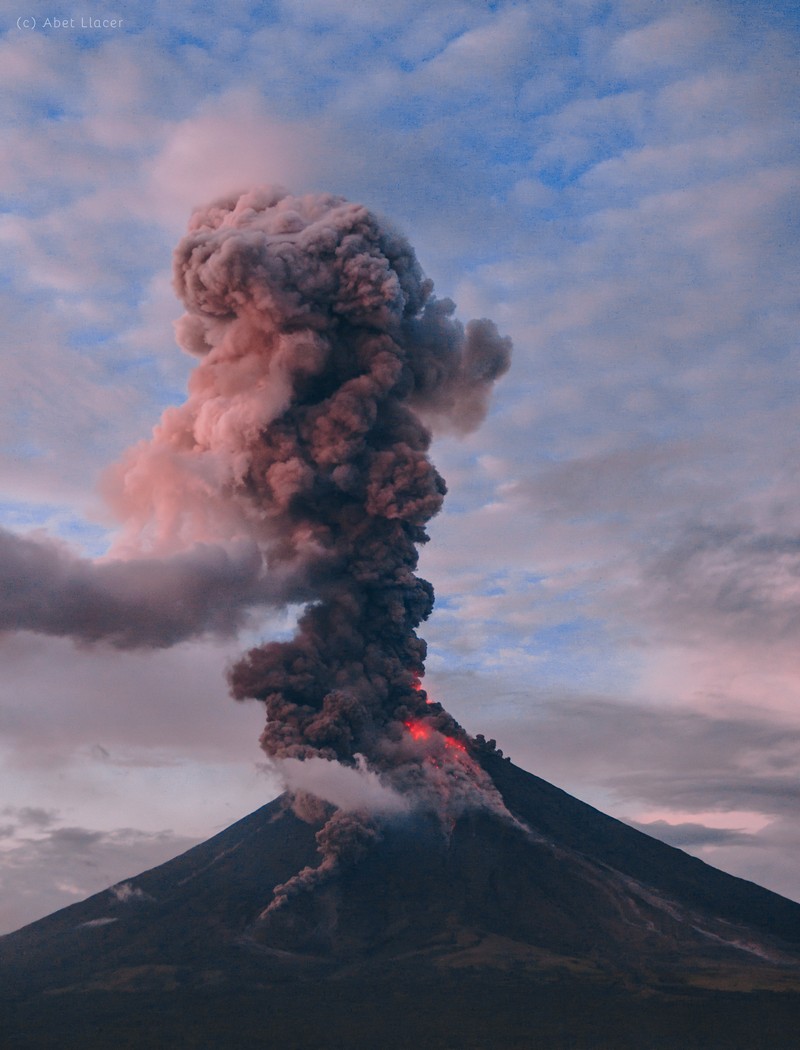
617 564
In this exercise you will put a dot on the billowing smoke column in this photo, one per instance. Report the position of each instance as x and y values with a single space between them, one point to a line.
324 358
343 468
296 471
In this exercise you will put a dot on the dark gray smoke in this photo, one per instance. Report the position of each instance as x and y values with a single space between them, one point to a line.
335 306
325 359
341 474
147 602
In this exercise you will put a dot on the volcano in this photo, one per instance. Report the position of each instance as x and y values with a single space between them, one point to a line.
555 926
453 900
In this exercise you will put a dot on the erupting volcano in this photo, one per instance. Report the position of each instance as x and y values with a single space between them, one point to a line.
412 887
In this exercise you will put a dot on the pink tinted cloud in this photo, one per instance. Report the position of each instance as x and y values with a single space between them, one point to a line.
229 143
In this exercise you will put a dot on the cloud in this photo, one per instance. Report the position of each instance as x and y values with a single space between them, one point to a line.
351 788
694 836
484 55
739 584
146 602
769 858
675 40
31 816
65 864
125 892
227 145
120 708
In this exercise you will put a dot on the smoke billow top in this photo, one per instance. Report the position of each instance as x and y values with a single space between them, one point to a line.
325 359
298 470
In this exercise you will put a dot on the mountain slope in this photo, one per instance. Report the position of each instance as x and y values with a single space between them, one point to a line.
446 933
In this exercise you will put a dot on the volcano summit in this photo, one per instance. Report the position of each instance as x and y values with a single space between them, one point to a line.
554 927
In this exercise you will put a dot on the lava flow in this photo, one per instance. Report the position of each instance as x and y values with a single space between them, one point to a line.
421 731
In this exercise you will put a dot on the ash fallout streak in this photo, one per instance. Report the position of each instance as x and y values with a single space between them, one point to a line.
325 363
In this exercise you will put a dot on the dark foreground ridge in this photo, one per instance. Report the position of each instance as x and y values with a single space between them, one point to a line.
573 930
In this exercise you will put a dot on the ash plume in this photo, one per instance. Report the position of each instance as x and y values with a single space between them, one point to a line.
149 602
343 840
325 362
325 358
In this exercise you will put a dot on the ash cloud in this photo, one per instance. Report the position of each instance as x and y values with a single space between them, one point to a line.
148 602
325 360
342 841
338 351
297 469
299 456
345 787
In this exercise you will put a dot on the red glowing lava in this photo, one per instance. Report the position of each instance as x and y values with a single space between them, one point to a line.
450 741
420 731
